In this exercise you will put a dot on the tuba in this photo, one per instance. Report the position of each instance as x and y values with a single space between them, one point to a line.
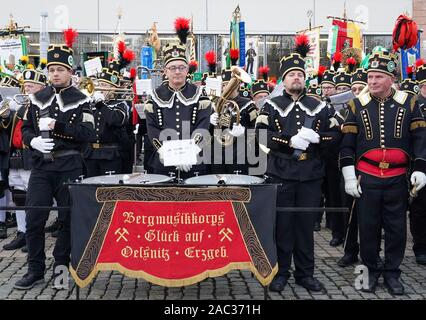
226 108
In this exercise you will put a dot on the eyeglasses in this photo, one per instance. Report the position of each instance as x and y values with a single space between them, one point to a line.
177 68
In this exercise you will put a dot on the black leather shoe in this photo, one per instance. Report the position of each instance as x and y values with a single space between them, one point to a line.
16 243
310 283
55 234
24 249
3 230
372 284
28 281
336 242
394 286
421 259
278 284
317 226
347 260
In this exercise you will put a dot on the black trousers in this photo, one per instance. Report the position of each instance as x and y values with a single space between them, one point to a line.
352 245
418 222
96 167
383 203
333 192
295 230
43 187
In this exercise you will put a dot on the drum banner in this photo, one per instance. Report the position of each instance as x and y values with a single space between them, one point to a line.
170 235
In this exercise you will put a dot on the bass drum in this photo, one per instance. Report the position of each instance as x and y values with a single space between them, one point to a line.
224 179
134 178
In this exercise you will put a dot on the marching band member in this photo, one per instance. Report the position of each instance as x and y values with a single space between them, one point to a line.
299 173
5 120
20 162
178 106
383 130
57 124
248 114
418 205
102 154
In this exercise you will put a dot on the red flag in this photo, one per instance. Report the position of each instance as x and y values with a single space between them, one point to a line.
342 35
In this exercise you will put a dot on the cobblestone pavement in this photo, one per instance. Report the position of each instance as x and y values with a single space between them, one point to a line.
236 285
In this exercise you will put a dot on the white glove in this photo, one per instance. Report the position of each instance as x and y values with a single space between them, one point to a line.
418 179
184 167
237 130
351 184
213 118
98 97
43 125
42 144
309 135
299 143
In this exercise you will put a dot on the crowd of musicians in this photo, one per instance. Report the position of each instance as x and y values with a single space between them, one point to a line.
368 155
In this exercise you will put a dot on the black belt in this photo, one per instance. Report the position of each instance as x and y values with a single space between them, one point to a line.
383 164
303 156
57 154
103 145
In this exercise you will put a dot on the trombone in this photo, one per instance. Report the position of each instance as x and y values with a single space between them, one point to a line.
89 87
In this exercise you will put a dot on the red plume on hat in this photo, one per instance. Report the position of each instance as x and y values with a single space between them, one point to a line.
302 45
121 47
133 74
264 72
320 73
182 29
125 56
211 60
70 36
410 71
234 55
337 59
193 65
351 63
420 62
404 34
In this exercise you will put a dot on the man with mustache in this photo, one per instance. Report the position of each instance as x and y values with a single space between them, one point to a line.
294 162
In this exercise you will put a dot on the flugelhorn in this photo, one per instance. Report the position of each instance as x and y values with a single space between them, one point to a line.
227 108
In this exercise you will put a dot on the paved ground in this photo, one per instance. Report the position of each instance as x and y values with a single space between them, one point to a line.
237 285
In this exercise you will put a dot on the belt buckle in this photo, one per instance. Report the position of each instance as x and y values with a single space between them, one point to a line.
96 145
383 165
303 156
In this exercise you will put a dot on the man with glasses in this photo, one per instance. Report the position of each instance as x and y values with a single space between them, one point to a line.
178 107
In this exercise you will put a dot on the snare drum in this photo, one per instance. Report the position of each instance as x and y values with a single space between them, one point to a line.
134 178
224 179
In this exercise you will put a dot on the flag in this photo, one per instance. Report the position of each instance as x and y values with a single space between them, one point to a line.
409 57
313 57
342 35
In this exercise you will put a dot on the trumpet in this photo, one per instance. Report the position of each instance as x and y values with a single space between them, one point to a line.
89 87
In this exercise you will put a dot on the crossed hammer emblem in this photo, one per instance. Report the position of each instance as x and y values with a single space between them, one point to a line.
121 234
225 233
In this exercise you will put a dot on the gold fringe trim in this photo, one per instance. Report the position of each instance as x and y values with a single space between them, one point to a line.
350 129
175 282
418 124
